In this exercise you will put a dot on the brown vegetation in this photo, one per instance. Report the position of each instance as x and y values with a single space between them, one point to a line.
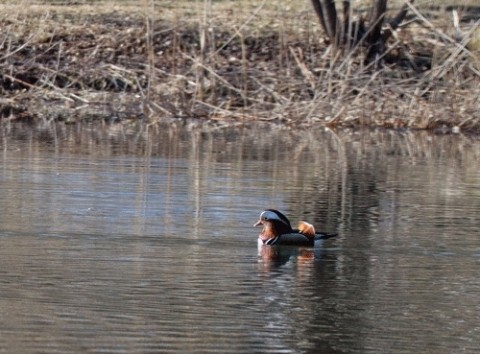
257 61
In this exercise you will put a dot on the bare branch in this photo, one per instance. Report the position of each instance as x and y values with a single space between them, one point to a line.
398 19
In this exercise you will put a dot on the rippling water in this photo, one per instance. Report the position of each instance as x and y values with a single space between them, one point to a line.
123 240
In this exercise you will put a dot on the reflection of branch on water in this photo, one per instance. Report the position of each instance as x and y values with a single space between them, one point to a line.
321 175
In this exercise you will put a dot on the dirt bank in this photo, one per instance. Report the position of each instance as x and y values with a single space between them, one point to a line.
129 62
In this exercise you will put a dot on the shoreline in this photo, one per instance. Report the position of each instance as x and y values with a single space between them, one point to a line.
124 63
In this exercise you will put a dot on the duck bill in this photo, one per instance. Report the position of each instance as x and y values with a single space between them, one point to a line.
259 222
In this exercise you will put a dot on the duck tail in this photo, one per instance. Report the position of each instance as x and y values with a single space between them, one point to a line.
324 235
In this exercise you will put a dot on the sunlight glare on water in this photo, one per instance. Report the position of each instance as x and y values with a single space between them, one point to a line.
121 241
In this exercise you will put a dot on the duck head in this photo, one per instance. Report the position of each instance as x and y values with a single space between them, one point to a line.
274 224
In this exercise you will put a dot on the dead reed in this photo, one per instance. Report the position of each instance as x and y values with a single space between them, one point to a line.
222 61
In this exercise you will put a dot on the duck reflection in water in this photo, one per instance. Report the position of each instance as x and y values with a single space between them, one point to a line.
278 241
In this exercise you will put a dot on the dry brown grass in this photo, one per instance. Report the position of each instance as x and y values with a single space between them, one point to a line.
239 60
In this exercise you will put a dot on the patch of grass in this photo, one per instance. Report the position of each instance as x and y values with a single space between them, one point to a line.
238 60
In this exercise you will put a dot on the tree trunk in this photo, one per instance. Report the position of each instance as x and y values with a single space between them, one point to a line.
376 43
327 13
346 34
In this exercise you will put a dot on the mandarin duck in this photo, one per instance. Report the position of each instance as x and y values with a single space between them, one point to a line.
277 230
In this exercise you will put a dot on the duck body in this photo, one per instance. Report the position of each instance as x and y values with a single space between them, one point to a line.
277 230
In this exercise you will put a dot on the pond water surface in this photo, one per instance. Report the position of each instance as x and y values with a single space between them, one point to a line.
117 239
